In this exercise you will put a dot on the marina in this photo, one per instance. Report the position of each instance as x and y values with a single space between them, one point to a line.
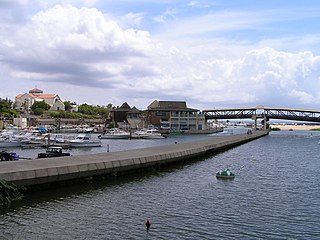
26 141
35 139
34 172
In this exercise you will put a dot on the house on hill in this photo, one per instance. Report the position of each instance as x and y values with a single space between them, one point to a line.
24 101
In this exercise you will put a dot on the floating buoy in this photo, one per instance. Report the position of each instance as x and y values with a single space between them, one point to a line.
225 174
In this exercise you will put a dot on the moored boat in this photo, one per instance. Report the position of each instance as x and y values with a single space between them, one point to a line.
115 133
84 140
53 152
9 141
13 143
149 134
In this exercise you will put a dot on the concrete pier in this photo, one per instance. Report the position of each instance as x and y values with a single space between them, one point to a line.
51 170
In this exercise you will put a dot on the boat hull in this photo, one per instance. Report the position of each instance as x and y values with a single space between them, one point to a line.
51 155
152 136
84 140
111 136
10 144
224 177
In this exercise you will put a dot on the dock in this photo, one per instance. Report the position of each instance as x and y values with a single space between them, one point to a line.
61 169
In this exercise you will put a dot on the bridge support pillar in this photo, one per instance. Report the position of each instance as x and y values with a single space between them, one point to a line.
264 122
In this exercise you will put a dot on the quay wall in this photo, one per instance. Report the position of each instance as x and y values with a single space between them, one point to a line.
53 170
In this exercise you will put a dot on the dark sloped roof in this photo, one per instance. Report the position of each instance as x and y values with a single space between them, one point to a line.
125 105
175 109
134 110
180 106
172 104
123 108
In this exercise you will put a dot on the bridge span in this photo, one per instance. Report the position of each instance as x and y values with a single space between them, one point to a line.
266 113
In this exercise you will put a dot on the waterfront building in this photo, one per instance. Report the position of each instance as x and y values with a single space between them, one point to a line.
24 101
134 118
126 117
119 115
175 115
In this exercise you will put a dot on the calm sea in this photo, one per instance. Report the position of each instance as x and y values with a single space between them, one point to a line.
275 195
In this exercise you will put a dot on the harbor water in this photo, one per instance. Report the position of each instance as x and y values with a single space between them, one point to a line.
275 195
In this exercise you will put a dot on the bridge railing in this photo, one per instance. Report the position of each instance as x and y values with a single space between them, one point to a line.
268 113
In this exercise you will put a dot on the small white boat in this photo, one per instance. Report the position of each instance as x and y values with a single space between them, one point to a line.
57 138
115 133
33 136
84 130
84 140
9 141
149 134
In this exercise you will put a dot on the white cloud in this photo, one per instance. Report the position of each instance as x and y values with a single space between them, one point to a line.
165 16
131 20
261 76
304 97
215 23
80 46
65 48
201 4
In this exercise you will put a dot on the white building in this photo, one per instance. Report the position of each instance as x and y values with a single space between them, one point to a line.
24 101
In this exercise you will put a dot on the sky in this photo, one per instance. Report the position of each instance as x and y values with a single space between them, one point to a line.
209 53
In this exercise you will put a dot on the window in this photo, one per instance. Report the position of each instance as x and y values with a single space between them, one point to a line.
160 114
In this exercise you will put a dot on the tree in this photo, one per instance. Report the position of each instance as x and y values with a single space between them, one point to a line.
67 105
103 111
6 109
5 105
38 108
87 109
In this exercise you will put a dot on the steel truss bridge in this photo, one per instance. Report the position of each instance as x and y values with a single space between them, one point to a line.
266 113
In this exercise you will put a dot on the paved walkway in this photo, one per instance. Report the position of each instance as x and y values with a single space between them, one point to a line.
40 171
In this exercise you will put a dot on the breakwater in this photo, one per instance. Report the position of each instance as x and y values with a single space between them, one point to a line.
37 172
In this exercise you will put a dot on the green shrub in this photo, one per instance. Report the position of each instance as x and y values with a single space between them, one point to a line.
9 192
